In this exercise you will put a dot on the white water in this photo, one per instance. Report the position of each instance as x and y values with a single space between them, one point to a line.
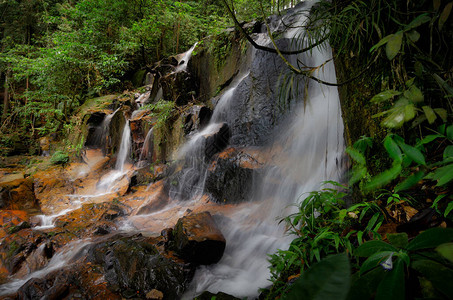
312 150
125 148
67 255
185 59
147 148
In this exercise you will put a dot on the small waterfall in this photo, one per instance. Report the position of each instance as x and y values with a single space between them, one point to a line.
185 59
148 147
125 148
65 257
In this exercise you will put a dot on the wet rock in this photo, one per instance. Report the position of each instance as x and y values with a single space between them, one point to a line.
10 219
179 87
132 264
197 239
216 140
196 118
155 295
17 194
219 296
231 176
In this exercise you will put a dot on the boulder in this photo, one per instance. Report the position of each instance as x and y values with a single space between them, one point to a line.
179 87
18 194
197 239
133 264
51 189
231 176
215 140
196 118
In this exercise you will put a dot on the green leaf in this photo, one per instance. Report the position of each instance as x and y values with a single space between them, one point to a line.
374 260
444 15
414 94
421 19
392 149
409 181
450 132
409 112
392 286
440 276
443 84
442 113
365 286
413 35
394 45
431 238
371 247
327 279
413 153
382 42
448 152
446 250
399 240
356 155
443 175
429 138
385 95
357 174
448 209
430 115
383 178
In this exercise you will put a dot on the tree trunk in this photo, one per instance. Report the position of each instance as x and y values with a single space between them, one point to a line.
6 96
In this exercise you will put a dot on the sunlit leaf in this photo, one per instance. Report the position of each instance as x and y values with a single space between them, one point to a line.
409 112
448 152
356 155
374 260
430 115
443 175
395 119
414 94
385 95
444 15
394 45
446 250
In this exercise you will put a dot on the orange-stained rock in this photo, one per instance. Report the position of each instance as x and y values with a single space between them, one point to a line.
197 239
156 200
17 194
10 218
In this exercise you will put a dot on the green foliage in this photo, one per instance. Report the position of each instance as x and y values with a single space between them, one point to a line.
59 158
162 110
428 252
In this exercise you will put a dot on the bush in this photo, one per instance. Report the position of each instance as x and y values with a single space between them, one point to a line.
59 158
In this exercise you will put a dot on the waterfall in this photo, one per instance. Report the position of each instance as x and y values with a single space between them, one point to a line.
185 59
311 147
125 148
101 133
147 149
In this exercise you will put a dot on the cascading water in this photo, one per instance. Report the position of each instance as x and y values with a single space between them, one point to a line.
147 149
125 148
312 149
185 59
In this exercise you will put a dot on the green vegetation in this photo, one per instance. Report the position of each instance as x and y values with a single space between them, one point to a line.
59 158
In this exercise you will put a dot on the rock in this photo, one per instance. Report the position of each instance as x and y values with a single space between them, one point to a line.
215 140
155 295
18 194
44 144
196 117
197 239
10 220
219 296
179 87
133 263
231 176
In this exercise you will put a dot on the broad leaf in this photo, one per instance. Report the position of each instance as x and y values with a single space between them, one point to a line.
371 247
440 276
399 240
450 132
442 113
413 35
392 149
421 19
383 178
392 286
430 115
429 138
409 181
448 152
448 209
365 286
431 238
414 94
357 174
385 95
446 250
328 279
413 153
394 45
444 15
374 260
443 175
382 42
443 84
